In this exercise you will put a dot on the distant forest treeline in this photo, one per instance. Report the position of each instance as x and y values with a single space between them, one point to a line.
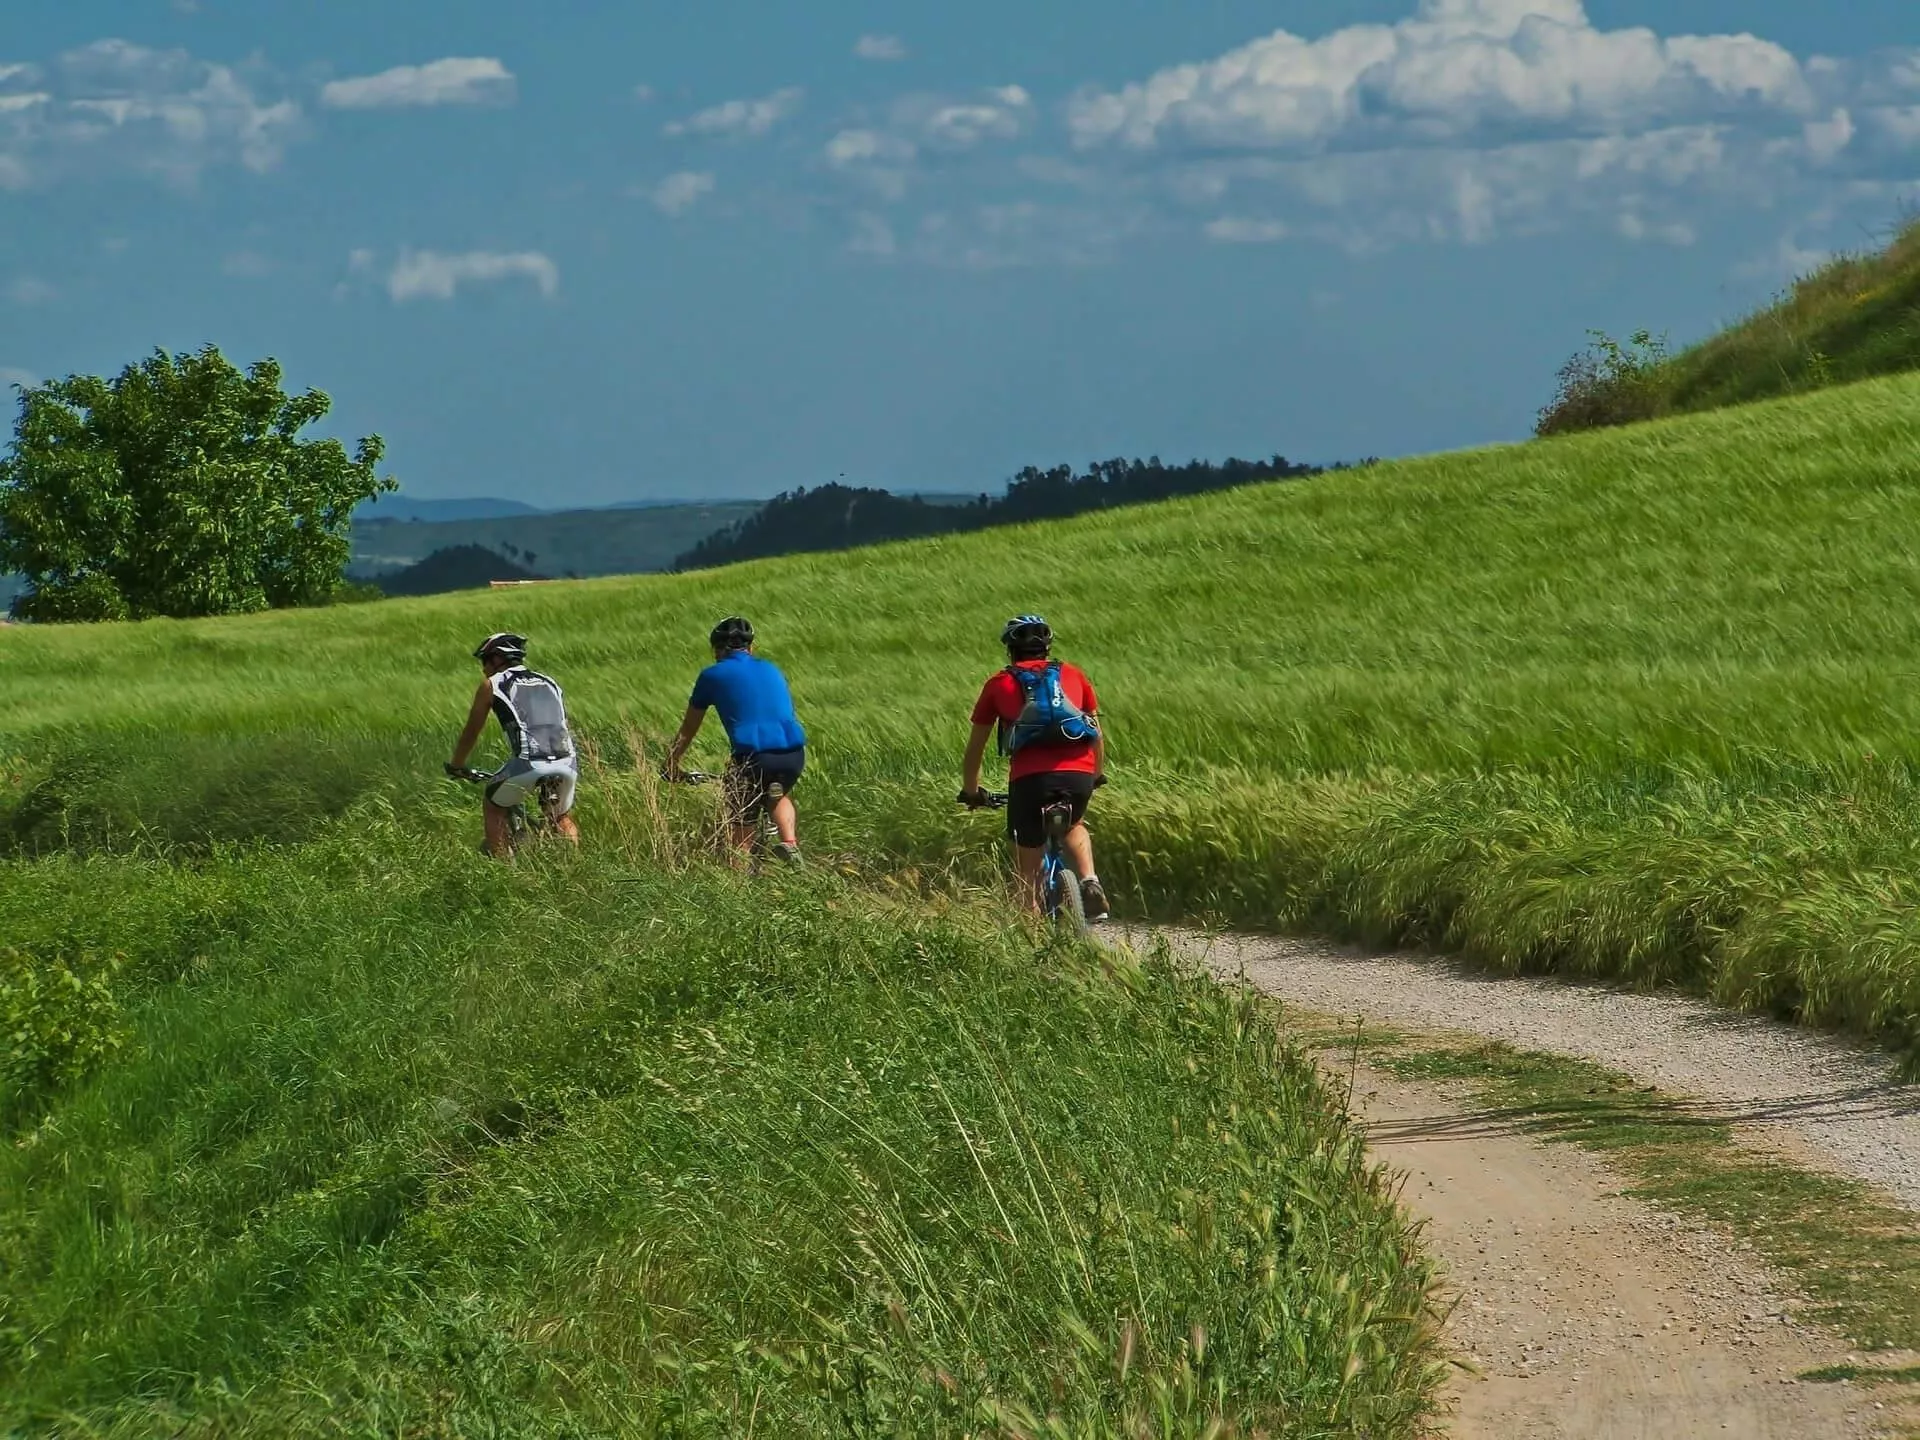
839 517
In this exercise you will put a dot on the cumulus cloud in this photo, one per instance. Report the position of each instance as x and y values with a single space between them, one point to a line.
456 80
1470 120
1455 72
1000 117
115 105
677 194
883 155
883 48
433 275
742 118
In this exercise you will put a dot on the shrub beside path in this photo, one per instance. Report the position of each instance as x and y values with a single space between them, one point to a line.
1583 1311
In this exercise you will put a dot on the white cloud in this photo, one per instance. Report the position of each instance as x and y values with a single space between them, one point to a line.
1632 226
1239 230
961 127
739 118
247 265
677 194
14 375
456 80
645 94
860 147
873 236
31 290
1457 71
114 105
432 275
881 47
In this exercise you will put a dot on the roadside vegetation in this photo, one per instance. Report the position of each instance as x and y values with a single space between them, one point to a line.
370 1134
1856 317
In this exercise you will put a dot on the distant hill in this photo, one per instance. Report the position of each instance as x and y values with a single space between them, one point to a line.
458 567
839 517
405 507
559 543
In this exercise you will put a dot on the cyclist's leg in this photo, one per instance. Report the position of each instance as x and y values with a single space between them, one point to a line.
499 823
1026 828
508 789
1080 850
564 824
786 820
743 788
785 770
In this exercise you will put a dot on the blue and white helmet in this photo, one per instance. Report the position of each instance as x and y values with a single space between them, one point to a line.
1029 633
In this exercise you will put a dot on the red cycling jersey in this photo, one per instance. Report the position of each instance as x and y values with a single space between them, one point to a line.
1001 701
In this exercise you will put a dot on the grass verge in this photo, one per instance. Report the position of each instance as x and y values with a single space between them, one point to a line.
395 1140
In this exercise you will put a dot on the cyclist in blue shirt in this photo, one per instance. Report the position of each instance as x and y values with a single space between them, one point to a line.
769 747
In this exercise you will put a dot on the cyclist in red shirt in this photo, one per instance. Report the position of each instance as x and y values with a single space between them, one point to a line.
1045 765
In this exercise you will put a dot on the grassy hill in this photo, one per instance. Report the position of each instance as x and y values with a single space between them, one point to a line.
1598 704
1855 318
564 542
376 1130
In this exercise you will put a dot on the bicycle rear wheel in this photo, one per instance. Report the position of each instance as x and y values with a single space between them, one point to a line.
1065 905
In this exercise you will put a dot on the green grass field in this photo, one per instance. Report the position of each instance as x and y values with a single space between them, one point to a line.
1638 703
322 1116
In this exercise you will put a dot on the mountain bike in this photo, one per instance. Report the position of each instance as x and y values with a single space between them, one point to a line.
1060 899
520 829
766 835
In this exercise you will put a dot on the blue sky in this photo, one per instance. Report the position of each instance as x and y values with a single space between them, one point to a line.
586 253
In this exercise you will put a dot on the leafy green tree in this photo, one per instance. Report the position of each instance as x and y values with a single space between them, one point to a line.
179 487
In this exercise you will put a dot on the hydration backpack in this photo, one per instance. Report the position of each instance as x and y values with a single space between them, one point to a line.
1048 717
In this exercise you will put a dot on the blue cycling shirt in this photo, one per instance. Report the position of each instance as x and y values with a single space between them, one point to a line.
754 703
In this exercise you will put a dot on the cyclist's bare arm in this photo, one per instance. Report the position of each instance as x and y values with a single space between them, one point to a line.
689 727
476 723
976 756
1099 744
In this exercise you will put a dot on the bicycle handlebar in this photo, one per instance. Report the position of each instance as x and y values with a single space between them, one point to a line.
689 777
985 800
469 774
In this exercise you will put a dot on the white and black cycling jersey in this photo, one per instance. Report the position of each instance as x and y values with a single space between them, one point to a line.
530 709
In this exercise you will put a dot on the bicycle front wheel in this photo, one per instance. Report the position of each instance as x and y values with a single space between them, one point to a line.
1065 906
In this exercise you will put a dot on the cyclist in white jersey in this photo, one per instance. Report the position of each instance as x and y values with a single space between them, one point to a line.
533 715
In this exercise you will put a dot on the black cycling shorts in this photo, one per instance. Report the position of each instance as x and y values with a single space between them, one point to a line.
749 776
1029 796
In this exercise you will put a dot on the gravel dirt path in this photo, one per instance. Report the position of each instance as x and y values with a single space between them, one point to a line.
1837 1106
1581 1313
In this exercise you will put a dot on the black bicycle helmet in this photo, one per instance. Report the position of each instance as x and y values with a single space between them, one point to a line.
733 633
1027 637
503 646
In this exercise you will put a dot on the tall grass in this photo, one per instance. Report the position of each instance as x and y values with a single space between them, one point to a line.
1608 704
402 1141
